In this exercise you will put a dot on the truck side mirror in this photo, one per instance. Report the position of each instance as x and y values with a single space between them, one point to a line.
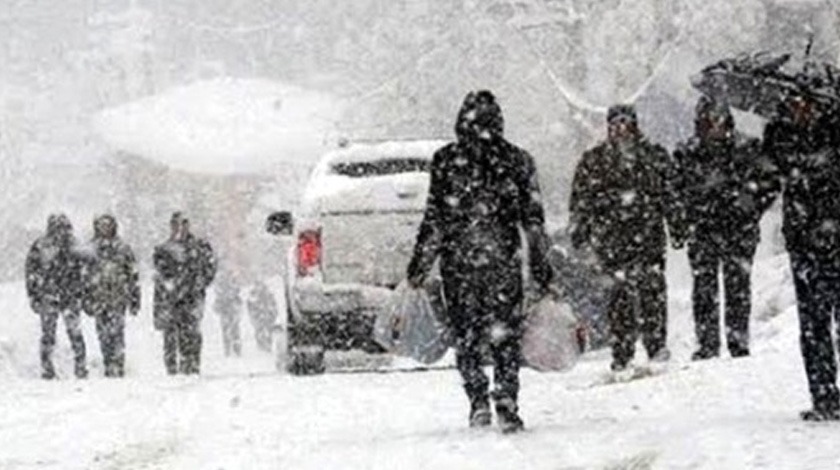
279 223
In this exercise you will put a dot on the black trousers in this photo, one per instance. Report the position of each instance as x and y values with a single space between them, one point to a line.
638 306
707 260
110 328
817 283
484 313
73 324
182 341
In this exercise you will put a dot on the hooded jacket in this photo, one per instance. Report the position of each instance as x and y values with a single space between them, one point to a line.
725 185
808 158
621 199
483 190
184 270
53 268
110 274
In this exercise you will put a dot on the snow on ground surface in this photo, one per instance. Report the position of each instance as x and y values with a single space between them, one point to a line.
721 414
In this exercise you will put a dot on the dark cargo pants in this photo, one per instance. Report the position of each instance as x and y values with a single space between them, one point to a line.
706 262
73 324
484 313
110 328
638 306
817 283
182 341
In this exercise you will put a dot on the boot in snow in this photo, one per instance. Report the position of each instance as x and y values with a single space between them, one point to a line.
821 413
509 420
480 416
704 353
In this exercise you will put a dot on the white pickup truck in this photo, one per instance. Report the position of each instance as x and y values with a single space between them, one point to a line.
353 236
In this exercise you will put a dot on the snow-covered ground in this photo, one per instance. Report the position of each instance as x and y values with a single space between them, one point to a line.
241 414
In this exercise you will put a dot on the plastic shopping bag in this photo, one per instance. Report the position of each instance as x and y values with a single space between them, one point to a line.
553 338
409 326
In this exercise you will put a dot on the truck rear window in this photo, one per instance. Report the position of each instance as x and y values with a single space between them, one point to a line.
383 167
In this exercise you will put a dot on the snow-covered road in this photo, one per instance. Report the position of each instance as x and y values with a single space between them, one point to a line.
720 414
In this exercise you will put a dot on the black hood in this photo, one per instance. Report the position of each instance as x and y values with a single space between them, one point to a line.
709 108
59 227
480 118
105 226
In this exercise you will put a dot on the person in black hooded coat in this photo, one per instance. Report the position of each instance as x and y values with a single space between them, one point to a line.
726 183
622 199
185 266
804 141
54 286
112 288
483 191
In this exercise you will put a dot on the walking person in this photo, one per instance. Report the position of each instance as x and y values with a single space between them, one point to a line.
622 198
184 268
726 184
53 284
262 309
805 144
483 191
228 306
111 290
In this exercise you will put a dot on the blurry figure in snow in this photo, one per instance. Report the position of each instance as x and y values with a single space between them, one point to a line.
54 286
483 189
621 199
726 184
805 144
262 308
111 289
228 306
185 267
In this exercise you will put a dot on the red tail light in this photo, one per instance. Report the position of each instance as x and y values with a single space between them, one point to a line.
308 252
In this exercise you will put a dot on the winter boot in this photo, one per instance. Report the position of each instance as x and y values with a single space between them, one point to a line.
81 371
509 420
480 416
704 353
822 412
660 356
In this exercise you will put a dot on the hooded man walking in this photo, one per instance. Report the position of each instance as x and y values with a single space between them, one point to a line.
111 289
54 285
622 196
185 267
483 190
726 184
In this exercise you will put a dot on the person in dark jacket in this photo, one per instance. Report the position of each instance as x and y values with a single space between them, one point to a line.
53 284
622 197
805 143
111 290
228 305
726 184
185 266
262 308
483 190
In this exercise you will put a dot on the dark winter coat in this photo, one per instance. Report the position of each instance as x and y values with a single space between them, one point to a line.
111 278
725 188
621 201
809 162
53 272
184 270
483 191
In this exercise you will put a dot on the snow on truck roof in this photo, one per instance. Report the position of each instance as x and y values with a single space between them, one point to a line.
224 126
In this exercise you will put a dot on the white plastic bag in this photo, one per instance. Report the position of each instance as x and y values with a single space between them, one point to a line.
553 336
409 327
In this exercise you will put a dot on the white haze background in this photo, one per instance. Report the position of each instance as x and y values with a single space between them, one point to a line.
386 69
